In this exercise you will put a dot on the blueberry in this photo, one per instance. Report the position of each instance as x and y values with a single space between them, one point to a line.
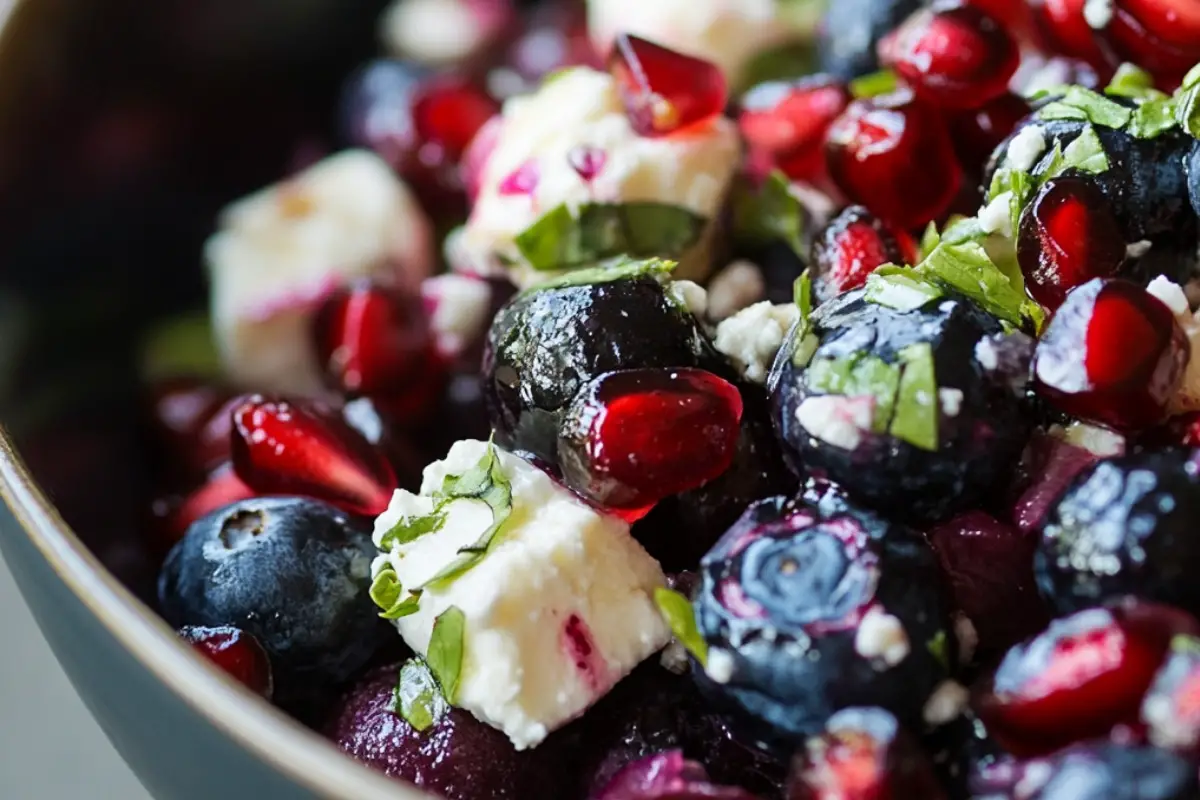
850 31
545 345
806 613
458 756
1091 771
293 573
840 412
375 102
1127 525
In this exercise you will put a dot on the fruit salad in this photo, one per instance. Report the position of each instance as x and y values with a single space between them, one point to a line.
758 400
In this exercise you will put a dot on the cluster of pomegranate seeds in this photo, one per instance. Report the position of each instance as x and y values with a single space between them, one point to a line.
236 652
953 56
854 244
283 447
1084 675
1162 36
1068 235
376 342
664 90
786 122
1113 354
1064 29
893 154
634 437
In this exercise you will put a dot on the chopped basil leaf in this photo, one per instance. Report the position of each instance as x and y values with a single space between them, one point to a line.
1085 153
784 63
858 375
917 412
1153 118
967 269
938 648
1133 82
874 84
802 296
805 349
568 237
1084 104
899 288
616 269
963 229
411 529
419 701
182 346
1187 109
929 240
807 342
1191 79
768 213
679 615
1184 643
388 594
445 654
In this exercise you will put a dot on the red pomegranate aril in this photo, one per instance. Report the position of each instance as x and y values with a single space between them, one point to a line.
283 447
1162 36
787 122
1081 677
1065 30
664 90
447 113
222 488
1014 15
1067 236
190 420
893 154
980 131
587 161
236 652
634 437
952 56
1053 465
1113 354
989 568
854 244
521 181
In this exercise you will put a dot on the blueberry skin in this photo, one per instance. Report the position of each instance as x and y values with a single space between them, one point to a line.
1094 771
292 572
782 596
1126 526
978 447
544 346
850 31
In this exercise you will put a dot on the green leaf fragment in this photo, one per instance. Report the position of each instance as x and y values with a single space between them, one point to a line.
858 375
614 269
967 269
939 648
568 237
917 410
929 240
1153 118
768 213
1078 103
802 296
1085 153
410 529
1133 82
418 698
445 653
182 346
387 593
1185 643
680 617
874 84
1187 110
900 288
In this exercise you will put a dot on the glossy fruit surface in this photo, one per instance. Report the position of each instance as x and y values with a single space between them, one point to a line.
977 132
853 245
1159 35
632 438
1062 24
1113 354
287 447
190 422
667 776
236 652
664 90
787 121
1052 465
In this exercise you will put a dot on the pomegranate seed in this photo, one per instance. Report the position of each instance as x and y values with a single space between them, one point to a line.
447 113
475 159
236 652
1068 235
1162 36
191 422
521 181
664 90
1085 674
989 567
280 447
1065 30
635 437
788 121
222 488
376 342
893 155
1112 354
1055 464
587 161
854 244
1013 14
953 56
980 131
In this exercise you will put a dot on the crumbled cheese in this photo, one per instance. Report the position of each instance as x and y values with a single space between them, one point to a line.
995 216
986 355
1171 294
967 636
675 659
881 637
1096 439
1026 148
951 401
1098 13
434 32
691 296
1138 248
752 337
719 666
737 286
839 421
460 311
1165 728
946 703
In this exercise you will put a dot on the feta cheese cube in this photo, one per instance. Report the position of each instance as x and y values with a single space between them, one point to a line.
280 251
559 609
752 337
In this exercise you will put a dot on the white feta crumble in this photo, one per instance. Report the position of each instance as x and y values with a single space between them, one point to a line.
280 251
1171 294
460 306
1138 248
950 400
557 611
1026 148
881 637
675 658
581 108
1165 729
1098 13
967 636
435 32
986 355
691 296
719 666
995 216
1101 441
752 337
839 421
946 703
737 286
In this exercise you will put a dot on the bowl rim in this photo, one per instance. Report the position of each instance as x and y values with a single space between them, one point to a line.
275 739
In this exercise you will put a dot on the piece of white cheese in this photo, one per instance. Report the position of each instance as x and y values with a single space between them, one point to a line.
438 32
996 217
278 253
1026 148
459 307
837 420
739 285
558 610
578 118
881 637
752 337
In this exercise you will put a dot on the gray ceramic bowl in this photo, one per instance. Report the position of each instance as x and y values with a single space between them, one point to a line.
123 127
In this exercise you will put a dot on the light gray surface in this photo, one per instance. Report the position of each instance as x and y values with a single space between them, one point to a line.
50 749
